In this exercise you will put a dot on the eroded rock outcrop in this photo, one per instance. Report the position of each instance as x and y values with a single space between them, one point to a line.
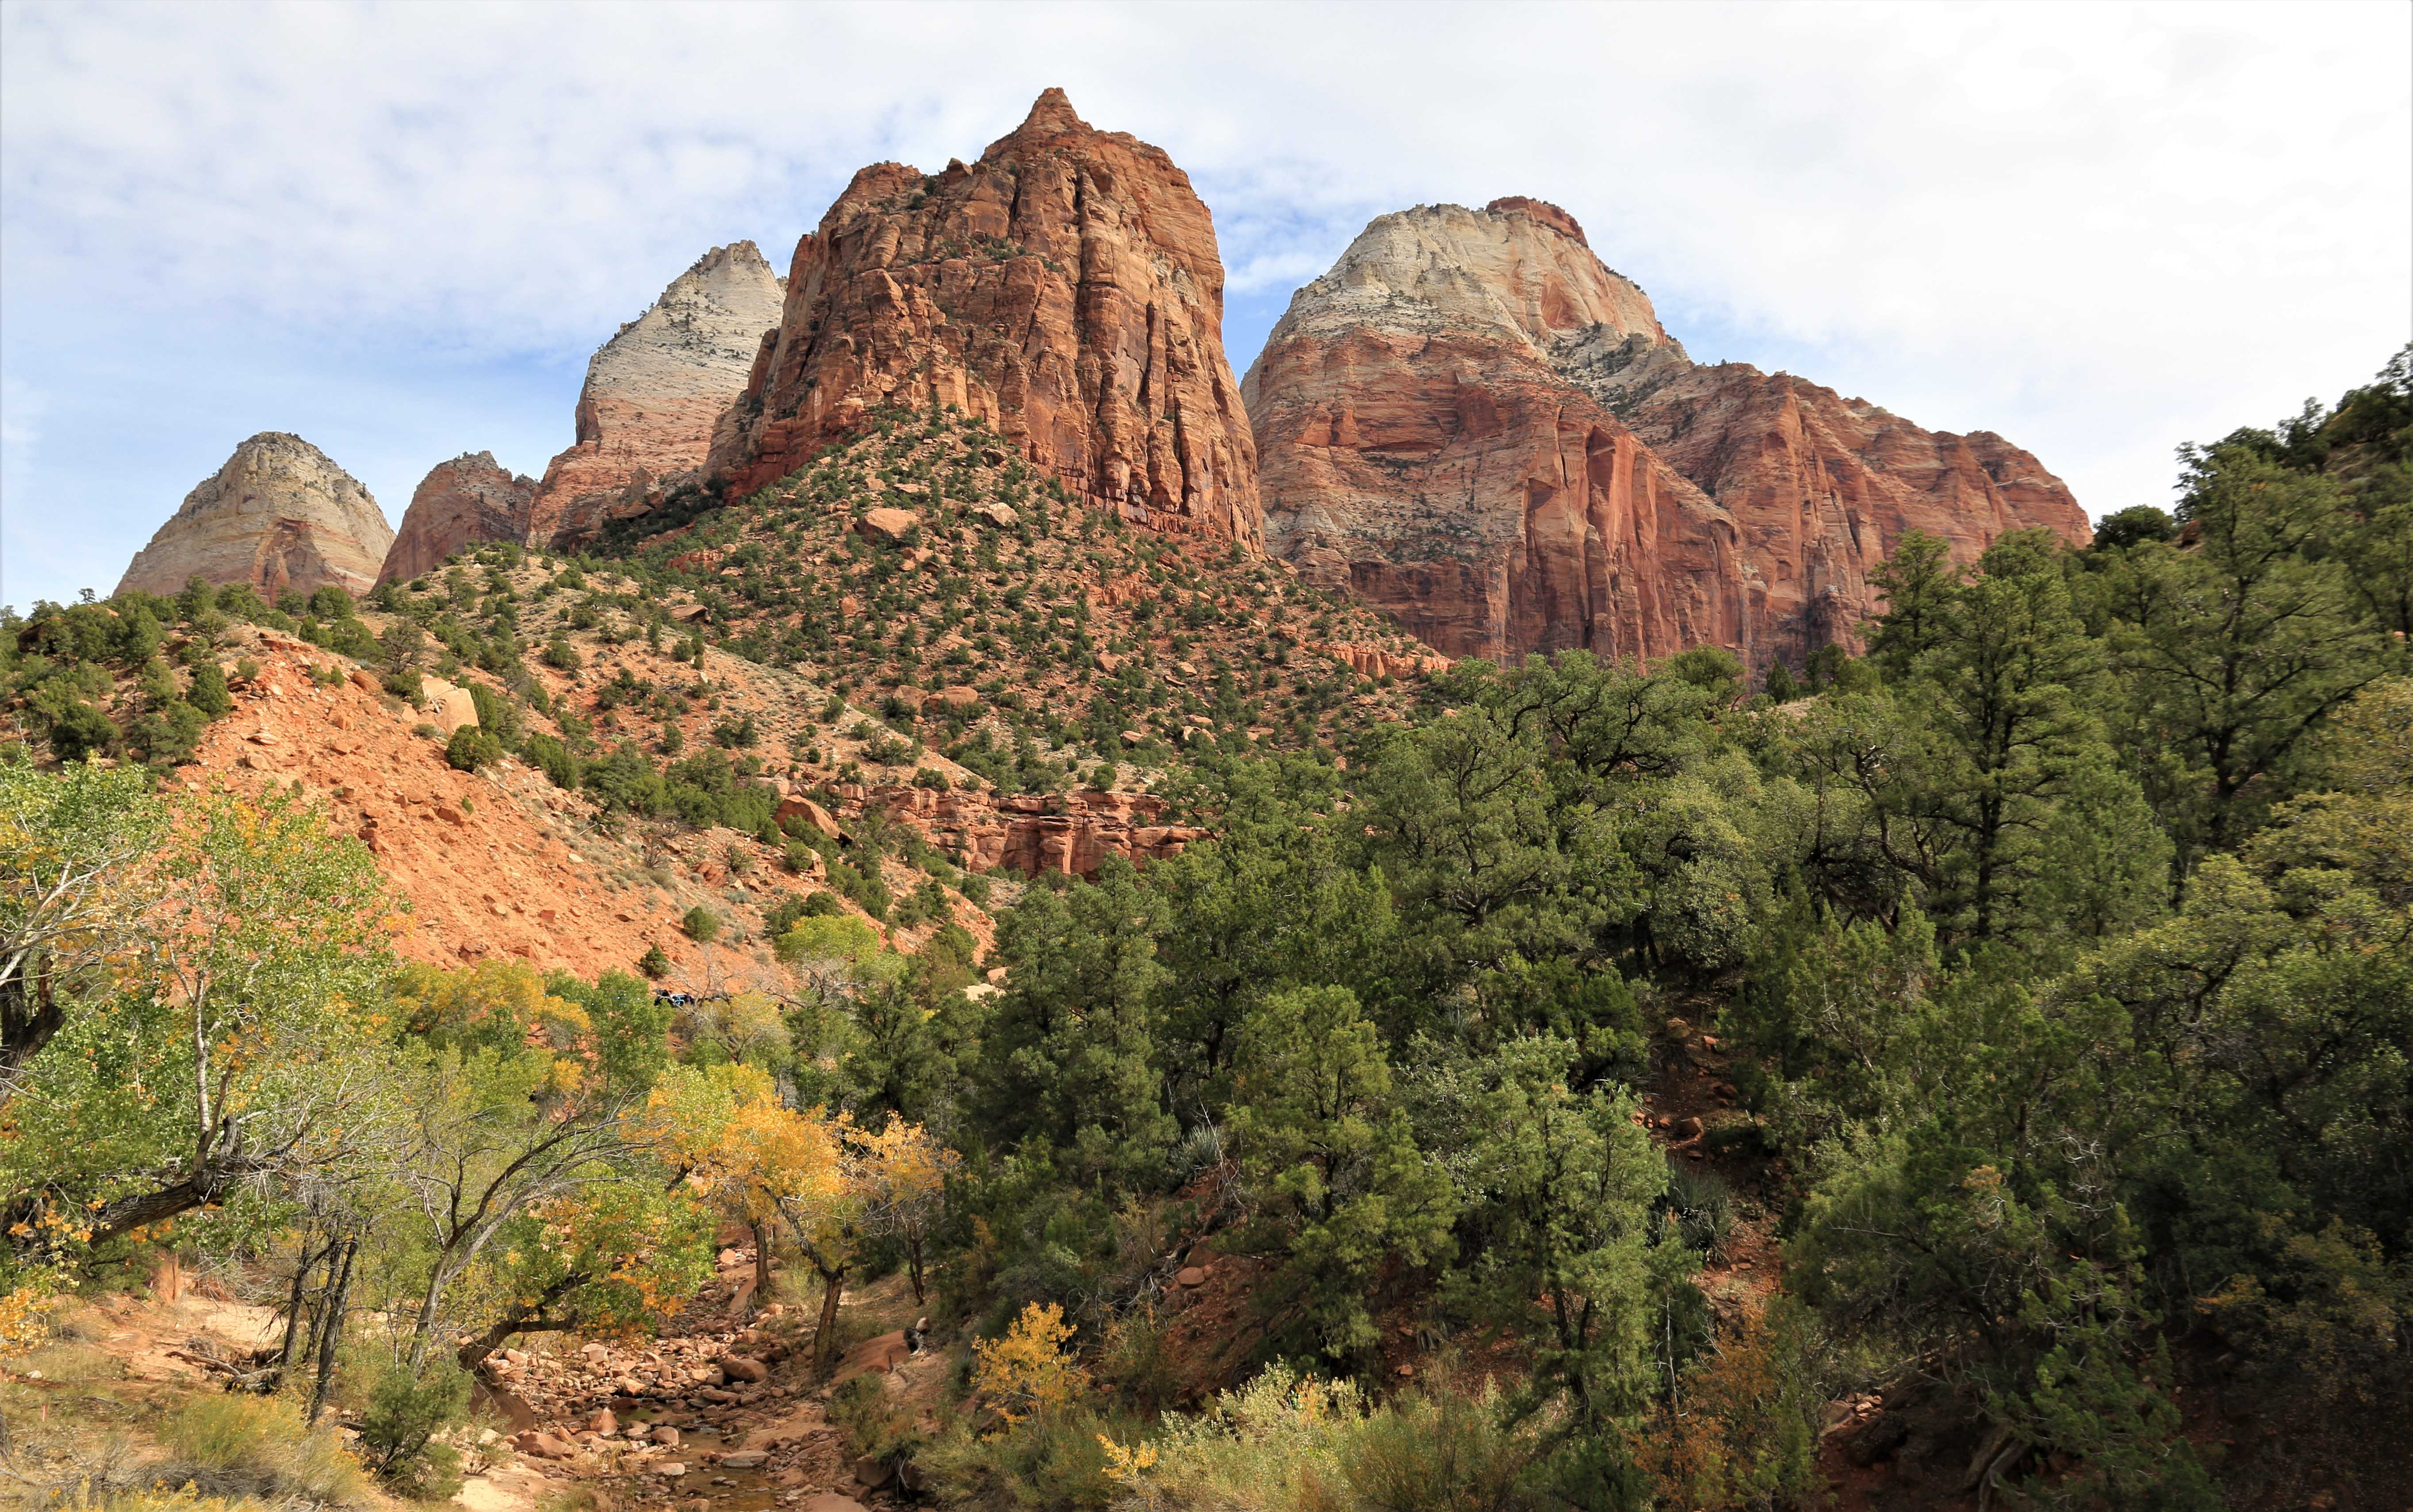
1066 287
459 503
279 516
1072 833
655 391
1486 433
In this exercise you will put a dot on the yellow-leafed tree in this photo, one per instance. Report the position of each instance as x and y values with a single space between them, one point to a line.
833 1185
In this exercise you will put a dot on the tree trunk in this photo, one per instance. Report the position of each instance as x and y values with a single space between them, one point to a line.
335 1330
913 1268
293 1309
522 1318
29 1019
761 1262
332 1254
167 1202
825 1335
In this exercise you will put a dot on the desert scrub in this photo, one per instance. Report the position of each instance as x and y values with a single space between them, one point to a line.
231 1445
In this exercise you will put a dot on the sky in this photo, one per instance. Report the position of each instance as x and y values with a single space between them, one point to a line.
399 230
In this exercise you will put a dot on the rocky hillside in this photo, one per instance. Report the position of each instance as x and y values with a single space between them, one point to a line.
1066 287
655 391
459 503
279 516
1486 433
927 570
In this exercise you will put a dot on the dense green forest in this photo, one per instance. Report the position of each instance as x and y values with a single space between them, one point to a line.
2061 947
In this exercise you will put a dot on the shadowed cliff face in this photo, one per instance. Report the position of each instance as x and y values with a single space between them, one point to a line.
459 503
279 516
1488 435
1065 288
653 392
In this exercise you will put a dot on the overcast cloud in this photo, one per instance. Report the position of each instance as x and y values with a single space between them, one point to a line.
399 229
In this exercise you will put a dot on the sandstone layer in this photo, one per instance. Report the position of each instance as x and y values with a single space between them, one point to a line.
655 391
459 503
1482 430
1069 833
1066 287
279 516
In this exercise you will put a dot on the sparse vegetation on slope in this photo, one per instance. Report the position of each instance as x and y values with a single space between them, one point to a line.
1977 1074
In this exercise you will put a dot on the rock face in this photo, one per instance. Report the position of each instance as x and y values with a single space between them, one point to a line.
1485 431
1066 287
468 499
653 392
1071 833
279 516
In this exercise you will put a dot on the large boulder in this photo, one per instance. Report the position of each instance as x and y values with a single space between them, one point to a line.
1066 287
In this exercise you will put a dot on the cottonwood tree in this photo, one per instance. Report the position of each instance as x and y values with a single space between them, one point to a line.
72 893
239 1050
509 1113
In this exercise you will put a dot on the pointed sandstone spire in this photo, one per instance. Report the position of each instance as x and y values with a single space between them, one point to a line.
653 392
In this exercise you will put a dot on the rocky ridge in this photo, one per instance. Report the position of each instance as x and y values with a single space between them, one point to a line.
1485 431
469 499
654 394
279 516
1066 287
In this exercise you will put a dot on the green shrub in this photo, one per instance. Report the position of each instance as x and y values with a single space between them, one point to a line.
1702 1205
167 735
471 748
653 963
495 715
795 906
876 1422
209 690
404 1411
1056 1463
552 758
701 924
80 730
562 656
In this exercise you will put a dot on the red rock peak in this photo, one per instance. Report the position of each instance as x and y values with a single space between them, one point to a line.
1066 289
1540 210
1051 115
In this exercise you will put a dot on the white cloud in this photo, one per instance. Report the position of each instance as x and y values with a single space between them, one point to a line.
2100 231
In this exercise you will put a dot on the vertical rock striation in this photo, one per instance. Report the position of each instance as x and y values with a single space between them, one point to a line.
653 392
1486 433
468 499
1066 287
279 516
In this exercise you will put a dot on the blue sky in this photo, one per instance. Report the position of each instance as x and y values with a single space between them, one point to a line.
400 229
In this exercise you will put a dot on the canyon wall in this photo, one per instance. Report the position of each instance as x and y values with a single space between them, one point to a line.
1477 426
278 515
1066 287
